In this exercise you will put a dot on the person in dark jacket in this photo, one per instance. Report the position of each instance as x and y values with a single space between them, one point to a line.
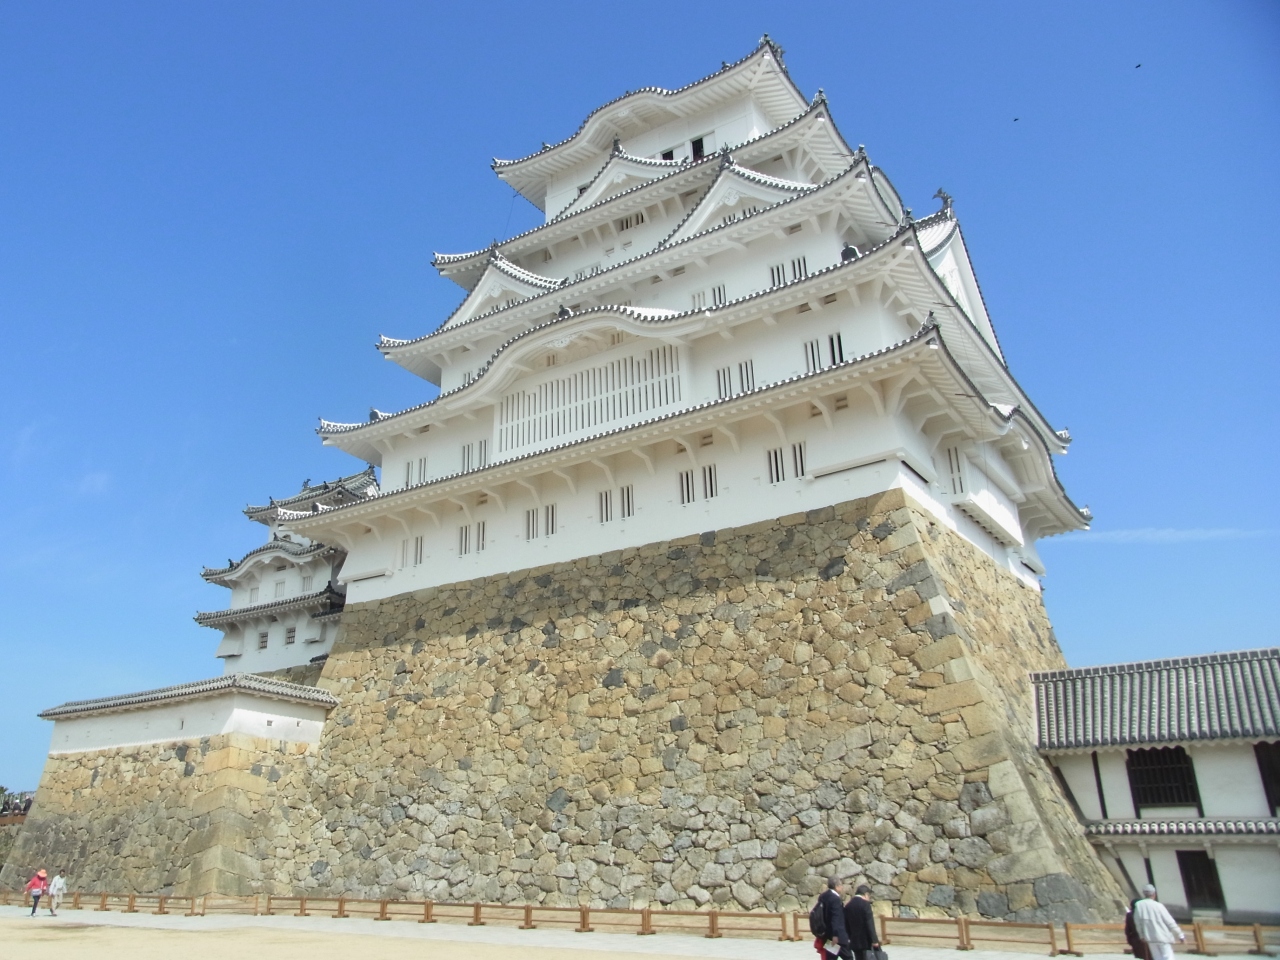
837 941
860 924
1136 943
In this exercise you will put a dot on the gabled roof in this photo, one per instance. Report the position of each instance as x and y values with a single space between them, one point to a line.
814 129
1215 697
761 73
731 185
324 601
342 490
233 683
855 186
500 275
620 168
288 548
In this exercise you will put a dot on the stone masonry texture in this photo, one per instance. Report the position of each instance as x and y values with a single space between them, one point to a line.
721 720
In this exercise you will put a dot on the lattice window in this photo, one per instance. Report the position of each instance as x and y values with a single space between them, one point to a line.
1200 880
953 478
262 641
306 584
290 635
632 220
1162 777
777 465
616 390
253 594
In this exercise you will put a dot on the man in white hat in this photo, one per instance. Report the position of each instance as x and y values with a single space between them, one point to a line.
1155 926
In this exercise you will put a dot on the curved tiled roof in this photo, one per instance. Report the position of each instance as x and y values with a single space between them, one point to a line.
1208 827
296 551
730 169
511 168
447 327
1213 697
236 682
353 484
711 159
328 596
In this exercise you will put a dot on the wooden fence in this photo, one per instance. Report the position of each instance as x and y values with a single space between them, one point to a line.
961 933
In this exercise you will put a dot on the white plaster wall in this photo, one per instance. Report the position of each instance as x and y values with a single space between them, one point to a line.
1250 877
227 712
1168 878
1229 781
1115 784
1077 770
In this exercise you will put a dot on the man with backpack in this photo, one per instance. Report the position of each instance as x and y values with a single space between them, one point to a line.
826 922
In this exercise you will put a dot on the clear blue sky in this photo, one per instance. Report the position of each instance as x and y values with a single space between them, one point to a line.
209 211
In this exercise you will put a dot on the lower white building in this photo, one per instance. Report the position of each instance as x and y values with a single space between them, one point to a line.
1174 767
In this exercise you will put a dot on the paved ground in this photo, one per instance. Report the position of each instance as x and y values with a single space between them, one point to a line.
80 934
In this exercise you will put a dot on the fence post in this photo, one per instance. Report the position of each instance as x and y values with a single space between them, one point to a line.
584 920
1198 930
1053 940
255 904
1071 944
475 920
342 909
160 906
962 924
302 908
884 930
1258 945
382 911
713 919
646 923
132 906
268 910
428 907
75 902
528 917
784 936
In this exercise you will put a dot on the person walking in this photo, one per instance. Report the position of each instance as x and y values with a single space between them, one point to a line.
57 890
860 924
1155 926
36 886
835 941
1131 936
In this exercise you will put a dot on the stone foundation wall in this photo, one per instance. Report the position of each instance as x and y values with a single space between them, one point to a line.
723 719
185 818
8 833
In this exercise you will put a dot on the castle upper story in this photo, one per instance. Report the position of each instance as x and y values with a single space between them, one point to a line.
729 315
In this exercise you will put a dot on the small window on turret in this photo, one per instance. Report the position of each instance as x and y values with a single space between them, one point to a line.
306 584
669 154
262 641
698 146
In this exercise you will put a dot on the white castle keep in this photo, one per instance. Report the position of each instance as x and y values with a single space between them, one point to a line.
728 316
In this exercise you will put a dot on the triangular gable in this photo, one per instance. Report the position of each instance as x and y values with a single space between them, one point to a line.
736 193
944 247
501 284
621 172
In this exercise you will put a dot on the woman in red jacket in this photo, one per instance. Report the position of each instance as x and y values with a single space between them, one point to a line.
37 886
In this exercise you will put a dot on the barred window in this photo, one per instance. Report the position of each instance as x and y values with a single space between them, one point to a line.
480 528
1200 880
306 584
605 498
1162 777
777 275
777 465
799 268
812 356
718 298
685 478
835 349
699 300
627 501
253 594
262 641
464 540
418 550
710 486
531 524
549 520
724 382
799 453
746 376
290 635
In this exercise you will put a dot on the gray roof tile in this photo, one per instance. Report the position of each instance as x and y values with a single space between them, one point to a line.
243 682
1219 696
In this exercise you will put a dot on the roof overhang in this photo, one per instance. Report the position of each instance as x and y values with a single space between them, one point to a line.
242 683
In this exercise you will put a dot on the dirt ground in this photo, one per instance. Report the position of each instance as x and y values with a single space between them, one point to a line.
23 939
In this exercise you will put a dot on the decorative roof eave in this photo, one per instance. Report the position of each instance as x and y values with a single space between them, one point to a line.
899 249
246 683
621 161
296 552
982 418
405 353
355 484
327 597
1219 829
530 174
461 267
